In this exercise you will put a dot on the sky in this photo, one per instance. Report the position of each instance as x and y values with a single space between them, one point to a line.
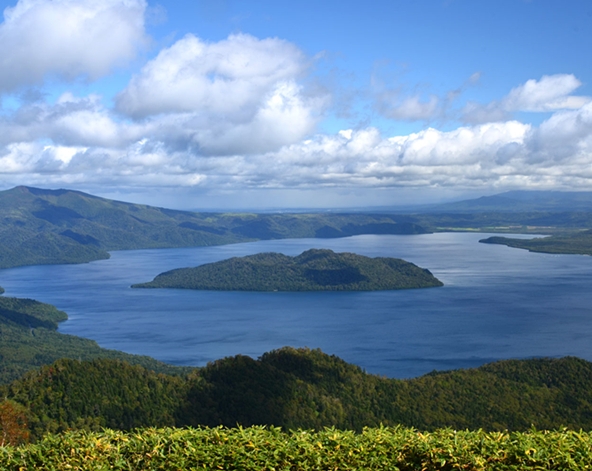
260 104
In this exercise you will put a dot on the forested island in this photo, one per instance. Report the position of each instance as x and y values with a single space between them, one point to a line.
313 270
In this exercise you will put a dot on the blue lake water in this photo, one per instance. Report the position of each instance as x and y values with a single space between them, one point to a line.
497 303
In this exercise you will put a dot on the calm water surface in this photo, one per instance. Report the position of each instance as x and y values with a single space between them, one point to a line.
497 303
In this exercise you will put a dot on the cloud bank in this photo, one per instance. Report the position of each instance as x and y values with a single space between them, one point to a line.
97 149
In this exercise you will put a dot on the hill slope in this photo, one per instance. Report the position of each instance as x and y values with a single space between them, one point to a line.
301 388
64 226
313 270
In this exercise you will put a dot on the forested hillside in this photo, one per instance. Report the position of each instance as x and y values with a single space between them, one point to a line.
40 226
301 388
63 226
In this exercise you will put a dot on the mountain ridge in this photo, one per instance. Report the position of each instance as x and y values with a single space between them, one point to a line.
39 226
520 200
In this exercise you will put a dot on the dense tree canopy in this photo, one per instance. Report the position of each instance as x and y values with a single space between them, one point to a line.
313 270
301 388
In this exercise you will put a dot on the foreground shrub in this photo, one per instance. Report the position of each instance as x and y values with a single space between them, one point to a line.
261 448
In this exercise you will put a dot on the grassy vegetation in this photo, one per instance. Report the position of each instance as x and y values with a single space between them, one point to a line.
575 243
313 270
28 340
259 448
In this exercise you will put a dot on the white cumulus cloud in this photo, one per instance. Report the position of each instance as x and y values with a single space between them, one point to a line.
556 154
71 121
67 38
550 93
238 94
236 115
228 77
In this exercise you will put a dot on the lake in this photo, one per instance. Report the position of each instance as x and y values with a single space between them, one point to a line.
497 303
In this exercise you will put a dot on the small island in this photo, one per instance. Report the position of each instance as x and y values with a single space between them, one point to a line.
313 270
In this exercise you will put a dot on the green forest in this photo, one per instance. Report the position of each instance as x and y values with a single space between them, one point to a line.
301 388
64 226
89 388
313 270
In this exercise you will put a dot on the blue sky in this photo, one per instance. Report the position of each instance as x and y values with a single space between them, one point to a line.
256 104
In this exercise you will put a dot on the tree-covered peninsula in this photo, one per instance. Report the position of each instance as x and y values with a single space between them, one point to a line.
313 270
578 242
29 339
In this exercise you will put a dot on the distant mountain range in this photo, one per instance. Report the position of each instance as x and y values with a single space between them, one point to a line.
520 200
509 201
39 226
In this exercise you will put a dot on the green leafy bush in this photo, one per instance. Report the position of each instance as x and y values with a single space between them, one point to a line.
261 448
